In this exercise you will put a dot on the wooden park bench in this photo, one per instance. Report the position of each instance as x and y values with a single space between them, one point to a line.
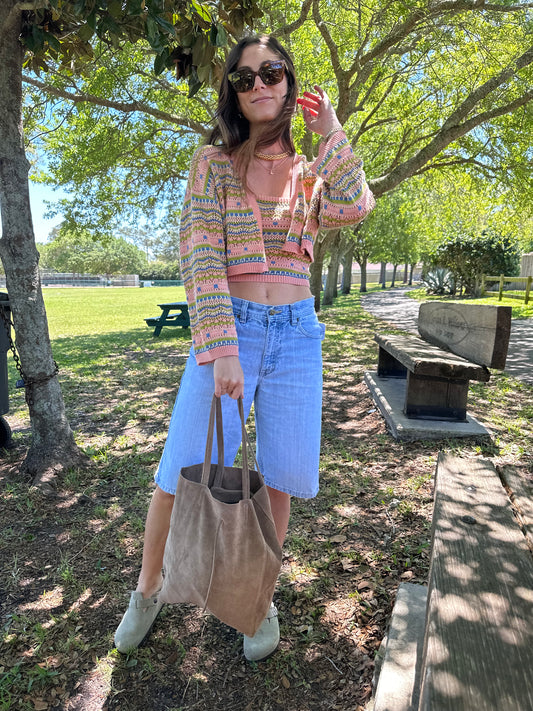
458 343
173 314
465 642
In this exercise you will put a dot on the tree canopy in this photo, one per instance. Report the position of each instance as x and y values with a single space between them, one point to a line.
419 88
79 253
182 36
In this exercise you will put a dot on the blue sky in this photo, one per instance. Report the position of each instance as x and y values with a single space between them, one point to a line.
39 193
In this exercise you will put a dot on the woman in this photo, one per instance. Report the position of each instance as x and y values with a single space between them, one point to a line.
252 210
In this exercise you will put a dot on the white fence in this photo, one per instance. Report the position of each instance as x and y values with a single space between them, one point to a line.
67 280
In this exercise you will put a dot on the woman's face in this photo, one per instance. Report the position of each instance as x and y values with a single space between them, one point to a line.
262 103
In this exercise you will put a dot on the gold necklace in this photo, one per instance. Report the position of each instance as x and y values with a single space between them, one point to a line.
271 156
270 169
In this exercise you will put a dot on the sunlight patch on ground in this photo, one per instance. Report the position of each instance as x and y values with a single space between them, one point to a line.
49 600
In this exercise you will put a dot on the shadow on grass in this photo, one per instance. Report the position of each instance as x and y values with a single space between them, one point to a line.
120 382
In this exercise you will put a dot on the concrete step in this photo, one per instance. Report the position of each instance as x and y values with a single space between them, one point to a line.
396 680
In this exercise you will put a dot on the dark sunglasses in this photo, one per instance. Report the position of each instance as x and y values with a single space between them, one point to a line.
270 73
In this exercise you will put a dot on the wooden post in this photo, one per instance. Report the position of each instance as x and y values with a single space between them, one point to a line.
500 293
528 288
482 285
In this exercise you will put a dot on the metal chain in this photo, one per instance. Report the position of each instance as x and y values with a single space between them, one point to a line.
8 323
24 381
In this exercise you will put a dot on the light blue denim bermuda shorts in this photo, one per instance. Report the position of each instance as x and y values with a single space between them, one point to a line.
280 350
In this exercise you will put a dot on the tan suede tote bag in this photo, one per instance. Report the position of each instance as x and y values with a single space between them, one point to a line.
222 552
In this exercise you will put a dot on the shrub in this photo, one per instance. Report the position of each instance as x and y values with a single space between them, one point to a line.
468 257
439 281
161 270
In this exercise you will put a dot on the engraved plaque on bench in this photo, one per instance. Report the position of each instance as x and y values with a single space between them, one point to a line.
477 332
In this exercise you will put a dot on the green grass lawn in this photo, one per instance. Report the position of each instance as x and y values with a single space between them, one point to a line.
520 309
75 312
100 341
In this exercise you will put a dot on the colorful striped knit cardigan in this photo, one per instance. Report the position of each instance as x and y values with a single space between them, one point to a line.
220 231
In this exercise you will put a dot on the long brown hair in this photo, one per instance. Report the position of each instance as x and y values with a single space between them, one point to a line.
232 130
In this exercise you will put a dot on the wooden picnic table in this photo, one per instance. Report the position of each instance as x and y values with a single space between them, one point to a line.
175 313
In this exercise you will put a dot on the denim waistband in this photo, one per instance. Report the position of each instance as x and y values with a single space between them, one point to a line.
266 313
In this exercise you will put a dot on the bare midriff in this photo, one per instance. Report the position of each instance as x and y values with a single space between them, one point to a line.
273 294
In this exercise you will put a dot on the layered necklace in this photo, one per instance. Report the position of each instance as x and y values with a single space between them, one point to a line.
272 158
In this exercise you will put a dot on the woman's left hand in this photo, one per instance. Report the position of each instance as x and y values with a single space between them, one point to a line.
319 114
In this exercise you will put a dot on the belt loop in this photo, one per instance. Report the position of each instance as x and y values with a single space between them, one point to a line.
244 309
294 317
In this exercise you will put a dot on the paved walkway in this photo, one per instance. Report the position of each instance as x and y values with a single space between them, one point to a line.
395 307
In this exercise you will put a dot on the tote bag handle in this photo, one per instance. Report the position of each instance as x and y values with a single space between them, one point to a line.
216 409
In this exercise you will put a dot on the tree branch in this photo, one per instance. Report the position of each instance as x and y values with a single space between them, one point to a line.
401 148
453 128
82 97
375 124
494 113
506 8
333 49
14 16
404 29
365 123
437 165
289 29
487 88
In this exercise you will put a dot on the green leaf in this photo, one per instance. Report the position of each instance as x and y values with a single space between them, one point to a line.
115 8
204 73
91 20
152 33
79 7
86 32
160 61
218 36
37 34
134 7
222 37
188 40
201 50
156 6
52 41
194 83
108 26
202 11
30 43
169 27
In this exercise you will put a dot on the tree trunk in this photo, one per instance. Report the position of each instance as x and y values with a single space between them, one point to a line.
52 447
362 267
333 269
405 272
383 275
319 252
394 270
411 270
347 263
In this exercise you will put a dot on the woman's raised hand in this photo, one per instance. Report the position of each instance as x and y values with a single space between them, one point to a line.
229 378
318 112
